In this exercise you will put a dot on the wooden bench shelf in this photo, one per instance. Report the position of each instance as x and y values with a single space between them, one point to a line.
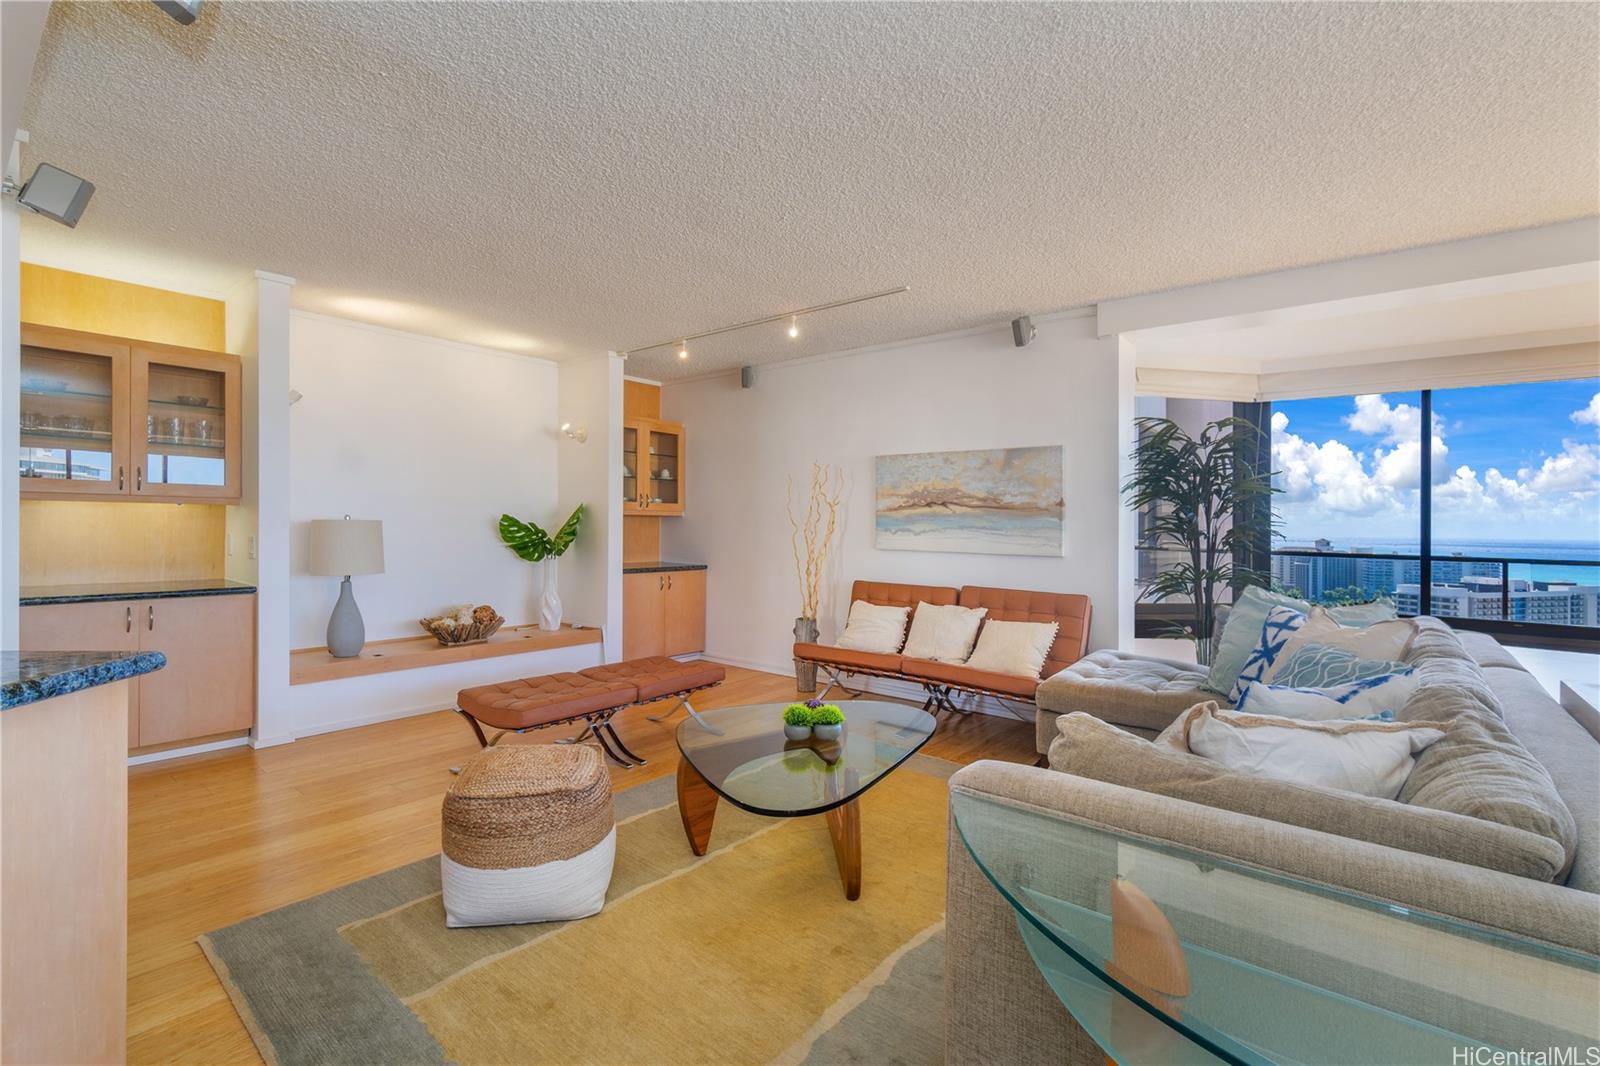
310 665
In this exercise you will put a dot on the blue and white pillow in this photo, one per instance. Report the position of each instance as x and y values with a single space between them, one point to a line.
1281 624
1325 665
1369 698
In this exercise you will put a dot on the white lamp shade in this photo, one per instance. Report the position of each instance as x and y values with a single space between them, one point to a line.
342 546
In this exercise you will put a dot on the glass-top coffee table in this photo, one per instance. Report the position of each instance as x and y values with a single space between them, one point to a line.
1165 956
741 755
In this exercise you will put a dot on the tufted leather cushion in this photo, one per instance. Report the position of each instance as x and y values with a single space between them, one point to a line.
534 701
847 657
1069 610
965 677
658 676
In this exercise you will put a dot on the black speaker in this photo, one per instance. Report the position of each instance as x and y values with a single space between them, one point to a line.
1023 331
747 377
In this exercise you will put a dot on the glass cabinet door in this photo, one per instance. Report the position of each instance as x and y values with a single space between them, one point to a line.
185 424
666 469
73 414
632 497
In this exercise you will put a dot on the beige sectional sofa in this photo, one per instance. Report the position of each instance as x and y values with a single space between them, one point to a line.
1499 824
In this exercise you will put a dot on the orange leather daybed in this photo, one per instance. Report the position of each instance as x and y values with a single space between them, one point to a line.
1069 610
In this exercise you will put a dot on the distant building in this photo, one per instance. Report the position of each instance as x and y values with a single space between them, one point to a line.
1543 602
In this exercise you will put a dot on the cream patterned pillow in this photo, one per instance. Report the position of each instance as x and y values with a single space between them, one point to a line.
1388 640
1367 758
874 628
943 634
1018 648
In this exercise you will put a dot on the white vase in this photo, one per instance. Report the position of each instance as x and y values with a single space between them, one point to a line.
549 602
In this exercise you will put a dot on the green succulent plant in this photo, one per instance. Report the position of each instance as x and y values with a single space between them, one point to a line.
827 714
798 714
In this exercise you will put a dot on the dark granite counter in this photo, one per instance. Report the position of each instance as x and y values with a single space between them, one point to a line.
659 567
39 595
31 676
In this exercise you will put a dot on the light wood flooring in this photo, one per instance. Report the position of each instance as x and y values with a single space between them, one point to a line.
218 838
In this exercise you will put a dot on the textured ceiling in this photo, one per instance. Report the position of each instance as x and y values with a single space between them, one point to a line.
565 178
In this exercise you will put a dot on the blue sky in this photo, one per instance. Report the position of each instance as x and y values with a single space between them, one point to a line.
1511 462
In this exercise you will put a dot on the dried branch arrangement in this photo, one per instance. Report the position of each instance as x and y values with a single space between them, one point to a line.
812 530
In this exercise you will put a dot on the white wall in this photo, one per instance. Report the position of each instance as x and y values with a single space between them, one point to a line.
968 391
265 500
590 578
437 440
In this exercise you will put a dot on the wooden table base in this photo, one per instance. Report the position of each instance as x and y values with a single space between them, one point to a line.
697 806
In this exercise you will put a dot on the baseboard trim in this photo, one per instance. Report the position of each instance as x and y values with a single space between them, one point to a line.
193 749
881 686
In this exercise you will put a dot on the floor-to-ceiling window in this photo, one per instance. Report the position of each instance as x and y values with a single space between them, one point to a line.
1497 524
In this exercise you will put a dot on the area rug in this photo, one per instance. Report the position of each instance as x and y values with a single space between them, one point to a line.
750 954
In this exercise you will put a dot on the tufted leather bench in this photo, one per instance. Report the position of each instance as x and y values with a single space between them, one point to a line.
1070 611
592 696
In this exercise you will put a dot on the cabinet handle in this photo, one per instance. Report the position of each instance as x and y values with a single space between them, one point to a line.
152 618
127 622
669 581
122 483
138 479
661 583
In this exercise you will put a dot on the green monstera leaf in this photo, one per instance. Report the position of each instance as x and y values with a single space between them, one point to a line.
532 543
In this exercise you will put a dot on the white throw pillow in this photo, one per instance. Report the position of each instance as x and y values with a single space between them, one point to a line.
1018 648
1389 640
874 628
943 634
1367 758
1352 699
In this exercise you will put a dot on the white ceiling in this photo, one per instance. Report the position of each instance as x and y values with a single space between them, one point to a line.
559 179
1554 314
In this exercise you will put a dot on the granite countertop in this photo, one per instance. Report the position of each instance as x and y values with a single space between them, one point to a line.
657 567
39 595
31 676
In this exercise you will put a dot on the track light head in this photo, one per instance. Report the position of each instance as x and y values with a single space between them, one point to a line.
683 349
794 325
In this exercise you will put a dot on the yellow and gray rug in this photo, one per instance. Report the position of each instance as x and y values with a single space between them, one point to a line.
748 955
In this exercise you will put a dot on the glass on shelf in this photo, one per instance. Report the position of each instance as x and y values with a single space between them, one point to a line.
65 416
184 426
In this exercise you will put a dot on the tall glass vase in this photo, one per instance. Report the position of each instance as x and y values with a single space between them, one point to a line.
549 602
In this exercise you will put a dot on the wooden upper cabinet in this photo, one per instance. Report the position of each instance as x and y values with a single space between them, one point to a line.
654 467
185 423
73 411
106 417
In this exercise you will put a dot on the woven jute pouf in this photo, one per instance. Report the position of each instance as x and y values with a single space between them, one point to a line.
529 836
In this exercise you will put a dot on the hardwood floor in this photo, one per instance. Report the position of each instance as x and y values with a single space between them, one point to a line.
217 838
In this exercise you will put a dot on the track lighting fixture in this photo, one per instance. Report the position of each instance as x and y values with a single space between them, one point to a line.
793 316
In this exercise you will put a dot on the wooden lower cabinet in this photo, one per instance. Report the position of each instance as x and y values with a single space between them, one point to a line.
663 613
208 684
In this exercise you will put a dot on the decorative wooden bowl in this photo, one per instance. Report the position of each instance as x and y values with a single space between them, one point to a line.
460 635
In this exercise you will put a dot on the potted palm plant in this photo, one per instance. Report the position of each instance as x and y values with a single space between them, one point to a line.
1202 498
532 543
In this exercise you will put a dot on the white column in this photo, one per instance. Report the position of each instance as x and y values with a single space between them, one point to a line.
258 331
590 396
1127 519
10 418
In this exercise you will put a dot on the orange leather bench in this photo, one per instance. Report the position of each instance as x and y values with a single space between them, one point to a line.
593 696
1070 611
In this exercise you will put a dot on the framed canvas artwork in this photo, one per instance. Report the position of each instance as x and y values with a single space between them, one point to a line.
998 501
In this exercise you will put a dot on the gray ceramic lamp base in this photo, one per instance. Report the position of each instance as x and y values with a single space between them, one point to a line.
346 632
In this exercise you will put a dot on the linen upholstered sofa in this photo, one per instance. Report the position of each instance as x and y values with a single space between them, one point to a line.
1070 611
1498 827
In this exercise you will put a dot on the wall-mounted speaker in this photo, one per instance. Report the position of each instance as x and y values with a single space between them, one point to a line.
1023 331
747 377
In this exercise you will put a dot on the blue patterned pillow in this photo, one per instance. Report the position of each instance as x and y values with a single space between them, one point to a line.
1362 699
1325 665
1281 624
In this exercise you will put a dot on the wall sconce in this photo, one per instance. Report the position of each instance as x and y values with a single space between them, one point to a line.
577 433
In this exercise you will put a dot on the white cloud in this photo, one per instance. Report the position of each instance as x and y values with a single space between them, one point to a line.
1590 414
1334 480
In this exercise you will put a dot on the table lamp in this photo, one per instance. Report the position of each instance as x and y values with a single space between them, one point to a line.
341 547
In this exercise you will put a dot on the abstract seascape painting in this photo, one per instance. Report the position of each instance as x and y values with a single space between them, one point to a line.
1000 501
